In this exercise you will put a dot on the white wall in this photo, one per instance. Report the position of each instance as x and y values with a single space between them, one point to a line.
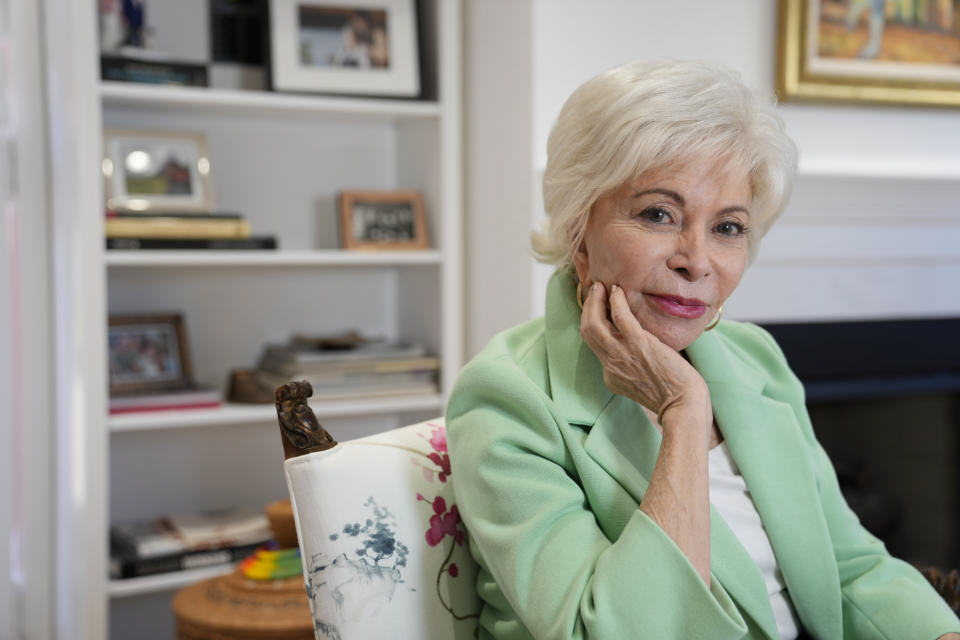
865 248
498 189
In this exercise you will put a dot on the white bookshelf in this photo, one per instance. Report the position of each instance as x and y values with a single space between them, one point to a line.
278 159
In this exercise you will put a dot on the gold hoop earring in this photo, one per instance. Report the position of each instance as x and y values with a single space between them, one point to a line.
579 291
716 320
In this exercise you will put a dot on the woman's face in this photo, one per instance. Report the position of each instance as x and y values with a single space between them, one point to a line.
675 240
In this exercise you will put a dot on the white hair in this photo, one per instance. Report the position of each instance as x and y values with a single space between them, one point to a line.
648 115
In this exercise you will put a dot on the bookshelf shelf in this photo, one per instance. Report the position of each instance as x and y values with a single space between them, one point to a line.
230 258
232 414
261 103
164 581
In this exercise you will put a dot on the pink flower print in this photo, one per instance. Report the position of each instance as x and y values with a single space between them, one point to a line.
438 440
443 523
439 456
443 462
435 532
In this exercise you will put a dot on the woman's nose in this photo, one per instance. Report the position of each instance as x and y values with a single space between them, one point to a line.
689 257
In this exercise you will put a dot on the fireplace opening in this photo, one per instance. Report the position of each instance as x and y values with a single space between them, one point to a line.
884 400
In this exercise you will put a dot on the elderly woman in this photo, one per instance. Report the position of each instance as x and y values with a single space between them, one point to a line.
629 465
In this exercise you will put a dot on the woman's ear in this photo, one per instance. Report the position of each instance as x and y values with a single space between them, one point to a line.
581 262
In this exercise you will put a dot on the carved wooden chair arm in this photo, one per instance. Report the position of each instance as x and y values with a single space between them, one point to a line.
301 432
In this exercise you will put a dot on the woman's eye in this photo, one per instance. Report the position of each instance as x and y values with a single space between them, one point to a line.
729 228
655 215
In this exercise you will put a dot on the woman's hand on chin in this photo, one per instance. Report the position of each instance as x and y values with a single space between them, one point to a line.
636 364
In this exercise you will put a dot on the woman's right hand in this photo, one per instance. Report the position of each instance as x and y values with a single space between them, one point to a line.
636 364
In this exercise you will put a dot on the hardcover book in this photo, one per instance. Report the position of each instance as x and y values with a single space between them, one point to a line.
125 69
254 242
175 227
129 566
190 531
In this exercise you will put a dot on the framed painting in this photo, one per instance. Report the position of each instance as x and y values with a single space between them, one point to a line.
382 220
874 51
147 353
358 47
156 171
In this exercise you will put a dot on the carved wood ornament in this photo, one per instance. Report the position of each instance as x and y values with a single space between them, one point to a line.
302 432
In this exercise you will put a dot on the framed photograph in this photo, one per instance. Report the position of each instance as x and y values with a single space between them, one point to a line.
878 51
148 353
154 170
382 220
345 47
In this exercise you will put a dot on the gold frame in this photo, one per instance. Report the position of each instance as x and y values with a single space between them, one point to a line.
347 200
797 83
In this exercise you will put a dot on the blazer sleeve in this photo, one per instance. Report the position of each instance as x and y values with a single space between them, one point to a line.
883 597
532 529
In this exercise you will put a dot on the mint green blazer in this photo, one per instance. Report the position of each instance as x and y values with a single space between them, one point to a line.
549 468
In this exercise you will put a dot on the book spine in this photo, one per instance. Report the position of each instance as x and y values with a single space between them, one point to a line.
149 72
175 228
139 567
255 242
190 215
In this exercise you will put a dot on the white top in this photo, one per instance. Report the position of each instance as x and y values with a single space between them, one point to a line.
730 496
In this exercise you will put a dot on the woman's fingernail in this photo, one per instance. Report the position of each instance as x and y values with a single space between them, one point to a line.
614 287
593 288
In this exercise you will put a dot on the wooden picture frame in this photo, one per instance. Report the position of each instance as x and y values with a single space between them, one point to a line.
148 353
146 171
358 47
382 220
843 51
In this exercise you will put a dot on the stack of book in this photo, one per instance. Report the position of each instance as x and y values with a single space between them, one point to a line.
172 230
185 541
364 370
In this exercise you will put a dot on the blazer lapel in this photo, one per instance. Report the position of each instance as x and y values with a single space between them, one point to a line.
625 444
576 377
765 441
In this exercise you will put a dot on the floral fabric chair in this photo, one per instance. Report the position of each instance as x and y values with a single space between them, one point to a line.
384 550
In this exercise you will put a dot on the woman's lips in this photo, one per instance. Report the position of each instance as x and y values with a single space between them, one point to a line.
688 308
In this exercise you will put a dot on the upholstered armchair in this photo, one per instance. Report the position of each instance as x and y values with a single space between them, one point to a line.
384 551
